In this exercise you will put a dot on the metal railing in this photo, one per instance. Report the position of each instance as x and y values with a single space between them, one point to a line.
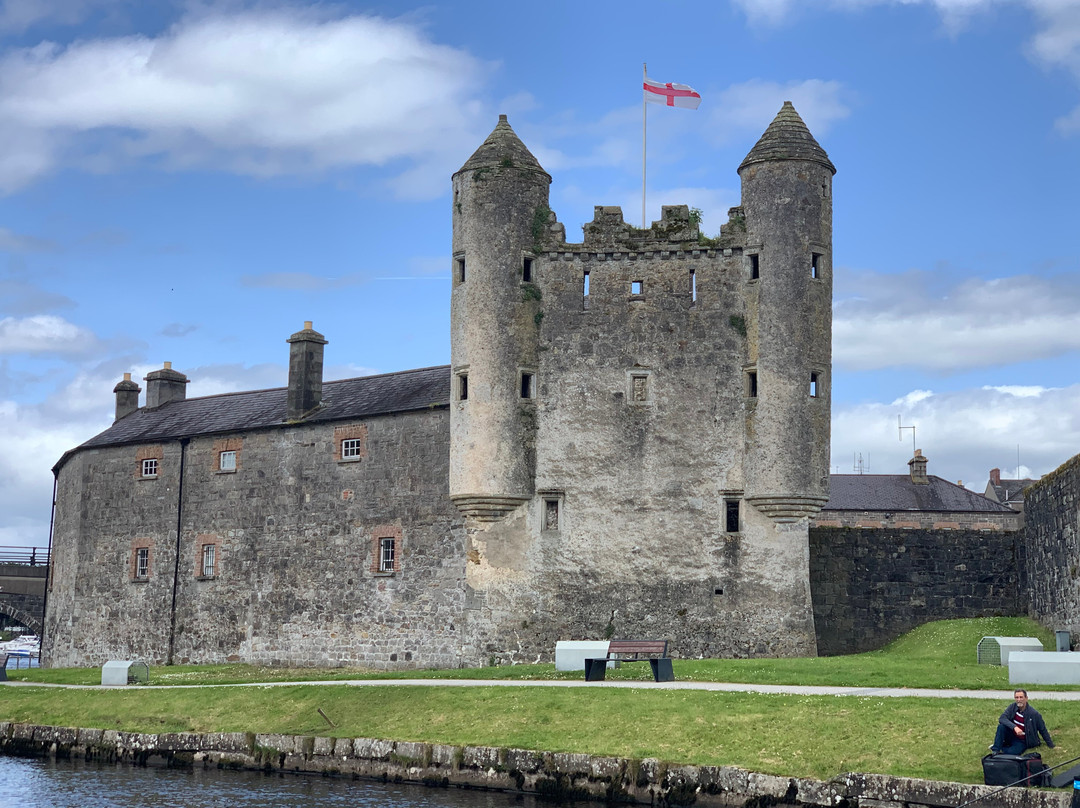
30 556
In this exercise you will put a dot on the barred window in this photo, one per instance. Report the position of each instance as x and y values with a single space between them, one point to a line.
209 560
150 467
142 562
351 449
387 550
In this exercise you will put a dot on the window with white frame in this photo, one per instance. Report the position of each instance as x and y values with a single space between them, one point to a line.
227 461
351 448
142 563
150 467
387 551
209 560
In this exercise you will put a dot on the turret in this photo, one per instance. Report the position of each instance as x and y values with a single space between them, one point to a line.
787 201
127 397
500 210
165 385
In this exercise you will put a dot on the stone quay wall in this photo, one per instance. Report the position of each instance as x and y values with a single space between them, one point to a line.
871 586
1050 562
556 775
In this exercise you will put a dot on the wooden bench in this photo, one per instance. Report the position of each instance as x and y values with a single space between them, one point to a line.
655 652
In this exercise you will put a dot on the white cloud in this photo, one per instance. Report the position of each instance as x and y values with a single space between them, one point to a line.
11 241
258 92
44 333
900 321
19 15
742 108
1056 44
963 433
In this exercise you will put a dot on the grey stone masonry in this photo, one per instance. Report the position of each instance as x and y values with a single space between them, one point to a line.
1050 561
871 586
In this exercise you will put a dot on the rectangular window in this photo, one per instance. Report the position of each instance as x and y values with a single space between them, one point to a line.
751 383
815 265
460 269
463 386
585 293
227 461
639 388
635 287
527 385
150 467
386 554
693 286
551 514
351 449
526 270
142 563
813 385
731 516
209 560
755 267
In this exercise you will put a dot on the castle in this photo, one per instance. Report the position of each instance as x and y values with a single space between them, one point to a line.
630 440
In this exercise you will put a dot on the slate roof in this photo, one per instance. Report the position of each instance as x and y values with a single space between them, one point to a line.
896 492
787 138
501 145
258 409
1011 490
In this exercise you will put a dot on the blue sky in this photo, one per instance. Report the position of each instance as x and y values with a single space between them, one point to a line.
190 181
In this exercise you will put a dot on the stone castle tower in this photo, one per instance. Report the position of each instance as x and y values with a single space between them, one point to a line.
640 422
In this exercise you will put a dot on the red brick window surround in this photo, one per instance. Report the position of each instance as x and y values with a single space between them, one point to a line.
226 455
350 443
141 558
148 462
386 549
207 557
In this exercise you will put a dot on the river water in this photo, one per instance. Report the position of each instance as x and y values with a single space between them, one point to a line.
28 783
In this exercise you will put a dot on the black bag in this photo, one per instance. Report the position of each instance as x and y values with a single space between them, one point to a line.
1037 771
1007 770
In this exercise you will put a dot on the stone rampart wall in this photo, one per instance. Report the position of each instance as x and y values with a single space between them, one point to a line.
1050 567
558 775
870 586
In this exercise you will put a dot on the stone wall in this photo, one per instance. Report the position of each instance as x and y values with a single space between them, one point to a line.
559 776
295 530
1050 567
870 586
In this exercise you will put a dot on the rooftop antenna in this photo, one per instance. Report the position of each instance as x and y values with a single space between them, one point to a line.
1018 461
900 429
857 463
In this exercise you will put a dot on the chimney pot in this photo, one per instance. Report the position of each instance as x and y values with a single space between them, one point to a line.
165 385
305 372
127 397
918 469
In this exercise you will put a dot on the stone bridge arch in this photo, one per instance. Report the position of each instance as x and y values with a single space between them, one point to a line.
24 617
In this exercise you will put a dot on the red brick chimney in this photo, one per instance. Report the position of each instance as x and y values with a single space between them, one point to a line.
995 476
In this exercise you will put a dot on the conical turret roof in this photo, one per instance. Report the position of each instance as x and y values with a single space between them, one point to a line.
503 148
787 138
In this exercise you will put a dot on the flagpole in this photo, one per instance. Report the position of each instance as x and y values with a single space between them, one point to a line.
645 76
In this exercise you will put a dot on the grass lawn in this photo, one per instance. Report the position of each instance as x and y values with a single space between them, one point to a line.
817 736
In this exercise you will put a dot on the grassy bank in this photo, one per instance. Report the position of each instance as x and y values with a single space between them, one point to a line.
791 735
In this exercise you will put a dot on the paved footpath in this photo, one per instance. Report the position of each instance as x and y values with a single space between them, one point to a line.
720 687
